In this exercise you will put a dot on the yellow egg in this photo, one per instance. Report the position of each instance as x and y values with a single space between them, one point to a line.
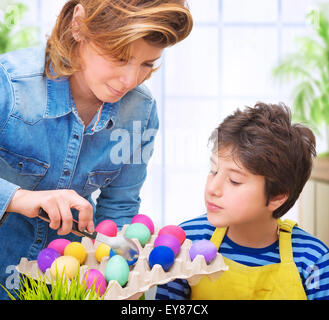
77 250
103 250
67 264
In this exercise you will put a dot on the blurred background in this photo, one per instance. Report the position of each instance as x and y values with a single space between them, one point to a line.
239 52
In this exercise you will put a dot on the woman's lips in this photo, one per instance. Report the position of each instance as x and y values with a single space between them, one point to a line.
213 207
115 92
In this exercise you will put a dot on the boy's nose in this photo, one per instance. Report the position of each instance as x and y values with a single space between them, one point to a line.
215 187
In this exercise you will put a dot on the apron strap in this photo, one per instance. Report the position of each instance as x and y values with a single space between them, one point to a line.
285 228
218 236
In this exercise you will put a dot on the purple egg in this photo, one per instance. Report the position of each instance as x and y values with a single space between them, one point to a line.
205 248
46 257
169 241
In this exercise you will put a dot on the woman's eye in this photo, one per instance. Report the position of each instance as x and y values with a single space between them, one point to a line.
148 65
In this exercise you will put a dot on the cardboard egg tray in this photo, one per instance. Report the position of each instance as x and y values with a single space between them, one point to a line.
141 277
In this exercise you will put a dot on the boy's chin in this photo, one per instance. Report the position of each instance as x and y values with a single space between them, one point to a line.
216 219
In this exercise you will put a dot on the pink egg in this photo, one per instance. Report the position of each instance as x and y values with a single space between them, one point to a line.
168 240
144 219
93 276
107 227
59 245
176 231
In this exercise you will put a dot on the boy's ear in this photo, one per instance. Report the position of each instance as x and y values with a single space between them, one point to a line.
277 201
79 12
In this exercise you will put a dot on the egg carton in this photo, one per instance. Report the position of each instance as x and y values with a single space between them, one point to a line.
141 276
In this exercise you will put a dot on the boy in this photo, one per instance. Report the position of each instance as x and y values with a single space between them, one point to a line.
259 166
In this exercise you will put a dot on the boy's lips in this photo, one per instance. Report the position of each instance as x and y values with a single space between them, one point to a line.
212 207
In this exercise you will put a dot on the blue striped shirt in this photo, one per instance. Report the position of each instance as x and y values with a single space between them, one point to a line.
311 257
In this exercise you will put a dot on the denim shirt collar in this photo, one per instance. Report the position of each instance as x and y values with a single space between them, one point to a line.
60 102
58 98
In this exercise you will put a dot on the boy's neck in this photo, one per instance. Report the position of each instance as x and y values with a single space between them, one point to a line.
255 234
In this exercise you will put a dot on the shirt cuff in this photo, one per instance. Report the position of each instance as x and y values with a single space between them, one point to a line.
7 190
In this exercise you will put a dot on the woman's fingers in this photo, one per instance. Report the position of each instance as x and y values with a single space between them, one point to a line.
66 218
85 212
58 205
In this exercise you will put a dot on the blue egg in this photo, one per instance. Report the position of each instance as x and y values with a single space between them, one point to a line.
163 256
112 253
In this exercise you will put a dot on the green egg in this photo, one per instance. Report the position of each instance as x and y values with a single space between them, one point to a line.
117 269
138 231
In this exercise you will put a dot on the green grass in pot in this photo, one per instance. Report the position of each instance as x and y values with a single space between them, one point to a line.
59 288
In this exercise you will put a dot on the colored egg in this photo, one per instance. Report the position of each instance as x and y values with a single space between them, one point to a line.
46 257
65 265
103 250
59 245
138 231
176 231
144 219
117 269
96 278
168 240
205 248
107 227
77 250
112 253
163 256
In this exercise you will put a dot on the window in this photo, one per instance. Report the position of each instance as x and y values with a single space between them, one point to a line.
226 63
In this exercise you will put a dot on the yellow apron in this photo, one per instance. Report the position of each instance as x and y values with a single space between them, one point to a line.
280 281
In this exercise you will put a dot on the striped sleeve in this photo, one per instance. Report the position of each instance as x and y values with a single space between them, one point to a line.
312 259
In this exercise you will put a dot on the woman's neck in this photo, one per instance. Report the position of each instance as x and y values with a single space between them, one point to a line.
86 102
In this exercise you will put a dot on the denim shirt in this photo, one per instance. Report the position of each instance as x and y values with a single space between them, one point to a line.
44 145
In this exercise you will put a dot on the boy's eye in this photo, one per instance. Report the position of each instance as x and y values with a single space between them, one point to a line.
213 172
234 182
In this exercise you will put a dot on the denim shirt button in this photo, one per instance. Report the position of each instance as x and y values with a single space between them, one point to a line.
38 240
76 136
66 172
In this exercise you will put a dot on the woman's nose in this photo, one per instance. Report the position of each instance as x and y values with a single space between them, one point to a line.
129 77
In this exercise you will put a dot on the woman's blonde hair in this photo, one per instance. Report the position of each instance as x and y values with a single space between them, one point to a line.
112 25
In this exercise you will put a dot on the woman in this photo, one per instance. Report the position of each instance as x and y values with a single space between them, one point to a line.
75 118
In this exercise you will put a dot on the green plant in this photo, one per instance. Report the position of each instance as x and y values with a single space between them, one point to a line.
309 69
12 35
59 288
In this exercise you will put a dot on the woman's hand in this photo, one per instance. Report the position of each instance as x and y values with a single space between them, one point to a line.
58 204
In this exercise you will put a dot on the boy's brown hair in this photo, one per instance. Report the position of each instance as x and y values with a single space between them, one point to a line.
266 143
